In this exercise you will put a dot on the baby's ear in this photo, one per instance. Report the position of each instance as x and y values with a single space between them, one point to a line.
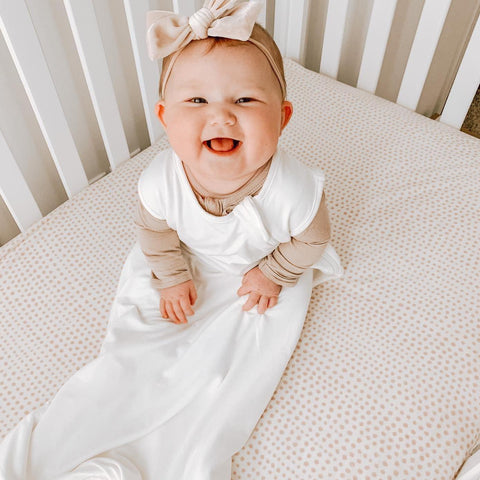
287 111
160 111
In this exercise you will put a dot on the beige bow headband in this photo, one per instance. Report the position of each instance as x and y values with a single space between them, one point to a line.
168 32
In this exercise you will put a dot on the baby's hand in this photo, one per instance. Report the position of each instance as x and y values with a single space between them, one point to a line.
176 301
262 290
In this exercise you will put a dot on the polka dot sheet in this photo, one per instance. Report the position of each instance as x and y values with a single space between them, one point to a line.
385 380
57 283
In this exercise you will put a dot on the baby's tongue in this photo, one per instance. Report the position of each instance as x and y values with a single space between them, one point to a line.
221 144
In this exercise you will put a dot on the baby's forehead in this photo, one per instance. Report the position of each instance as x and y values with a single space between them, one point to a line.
222 46
228 56
239 60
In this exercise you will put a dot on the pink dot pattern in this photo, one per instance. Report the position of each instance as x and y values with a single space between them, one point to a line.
57 284
385 380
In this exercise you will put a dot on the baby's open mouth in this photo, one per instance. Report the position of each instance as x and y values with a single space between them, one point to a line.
222 145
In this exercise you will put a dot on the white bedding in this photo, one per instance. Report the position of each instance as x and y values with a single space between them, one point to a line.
384 382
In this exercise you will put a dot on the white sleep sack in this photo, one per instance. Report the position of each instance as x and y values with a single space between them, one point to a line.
175 402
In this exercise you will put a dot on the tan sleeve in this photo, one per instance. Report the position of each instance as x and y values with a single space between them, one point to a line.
161 247
290 259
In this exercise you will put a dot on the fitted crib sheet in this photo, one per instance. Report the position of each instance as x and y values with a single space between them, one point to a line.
384 382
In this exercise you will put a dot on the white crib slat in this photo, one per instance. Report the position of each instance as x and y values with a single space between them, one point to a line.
466 83
333 37
14 190
27 55
147 71
376 44
185 7
84 26
428 32
289 31
280 33
296 30
262 18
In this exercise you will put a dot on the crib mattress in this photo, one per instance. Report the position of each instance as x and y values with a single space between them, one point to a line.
385 380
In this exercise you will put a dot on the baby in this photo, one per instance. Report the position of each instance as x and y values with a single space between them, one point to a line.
224 213
223 107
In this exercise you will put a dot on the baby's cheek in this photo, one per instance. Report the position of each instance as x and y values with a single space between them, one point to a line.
184 140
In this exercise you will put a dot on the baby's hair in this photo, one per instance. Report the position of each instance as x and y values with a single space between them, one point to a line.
259 35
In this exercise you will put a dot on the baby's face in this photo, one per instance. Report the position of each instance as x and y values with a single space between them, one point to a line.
223 111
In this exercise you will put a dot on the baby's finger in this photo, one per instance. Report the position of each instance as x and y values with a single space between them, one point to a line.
177 308
171 312
272 302
193 296
243 290
185 306
252 300
163 311
262 304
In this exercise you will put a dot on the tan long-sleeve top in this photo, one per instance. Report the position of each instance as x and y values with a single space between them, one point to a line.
284 265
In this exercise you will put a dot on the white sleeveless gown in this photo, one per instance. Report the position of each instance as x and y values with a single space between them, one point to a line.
165 401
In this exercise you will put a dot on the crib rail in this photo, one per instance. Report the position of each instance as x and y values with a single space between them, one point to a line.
20 36
87 37
287 19
465 84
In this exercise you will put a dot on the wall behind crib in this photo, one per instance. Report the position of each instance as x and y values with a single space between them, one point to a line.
23 134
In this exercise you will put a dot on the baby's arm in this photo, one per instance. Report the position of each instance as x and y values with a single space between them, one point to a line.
287 262
170 274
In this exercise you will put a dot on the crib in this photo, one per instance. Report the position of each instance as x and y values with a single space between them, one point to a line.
385 380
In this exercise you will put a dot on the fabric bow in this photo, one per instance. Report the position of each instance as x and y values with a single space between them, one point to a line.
168 32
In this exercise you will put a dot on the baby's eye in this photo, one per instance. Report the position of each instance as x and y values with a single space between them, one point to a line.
198 100
244 100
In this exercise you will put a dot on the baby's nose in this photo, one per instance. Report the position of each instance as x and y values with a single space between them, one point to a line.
222 115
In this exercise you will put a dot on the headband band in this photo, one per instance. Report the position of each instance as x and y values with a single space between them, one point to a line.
169 33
